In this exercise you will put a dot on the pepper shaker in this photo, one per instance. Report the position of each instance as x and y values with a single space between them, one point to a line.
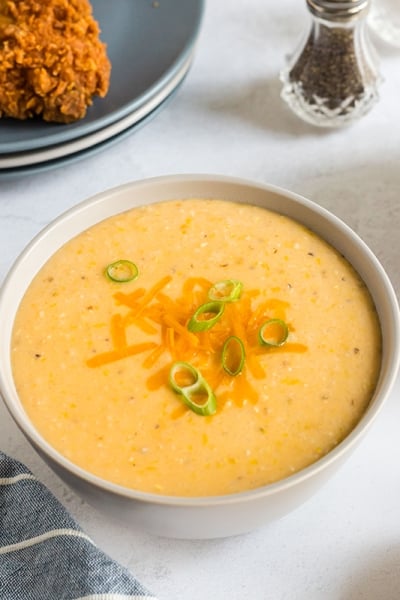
333 78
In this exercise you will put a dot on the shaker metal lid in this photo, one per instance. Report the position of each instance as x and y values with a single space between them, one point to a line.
337 10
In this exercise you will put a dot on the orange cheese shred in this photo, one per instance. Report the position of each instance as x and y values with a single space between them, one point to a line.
118 331
153 357
190 286
131 299
114 355
153 291
254 366
180 329
156 314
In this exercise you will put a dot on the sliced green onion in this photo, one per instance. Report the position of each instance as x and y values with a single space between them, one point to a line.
233 355
273 332
206 316
188 382
122 271
227 290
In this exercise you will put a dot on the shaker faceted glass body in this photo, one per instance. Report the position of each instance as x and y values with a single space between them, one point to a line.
332 79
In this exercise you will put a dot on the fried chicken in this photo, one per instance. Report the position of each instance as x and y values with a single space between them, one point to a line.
52 61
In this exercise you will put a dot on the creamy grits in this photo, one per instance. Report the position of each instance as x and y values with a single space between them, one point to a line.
91 356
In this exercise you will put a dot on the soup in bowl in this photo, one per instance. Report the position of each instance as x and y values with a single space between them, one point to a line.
197 354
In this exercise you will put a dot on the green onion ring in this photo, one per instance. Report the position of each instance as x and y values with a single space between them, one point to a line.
227 290
199 387
275 341
230 342
122 271
215 309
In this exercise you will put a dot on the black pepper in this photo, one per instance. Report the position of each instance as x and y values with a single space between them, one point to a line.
328 69
333 79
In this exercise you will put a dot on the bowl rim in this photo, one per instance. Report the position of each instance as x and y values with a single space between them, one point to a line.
385 384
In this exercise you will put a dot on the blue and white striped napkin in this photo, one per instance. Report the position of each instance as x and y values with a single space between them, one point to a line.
44 554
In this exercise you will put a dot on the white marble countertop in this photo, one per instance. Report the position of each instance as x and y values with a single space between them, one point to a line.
228 118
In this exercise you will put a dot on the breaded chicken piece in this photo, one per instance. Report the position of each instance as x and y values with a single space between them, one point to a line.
52 61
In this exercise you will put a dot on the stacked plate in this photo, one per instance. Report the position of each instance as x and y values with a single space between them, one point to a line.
150 45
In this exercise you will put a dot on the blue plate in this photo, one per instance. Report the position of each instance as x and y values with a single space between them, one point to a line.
17 172
147 40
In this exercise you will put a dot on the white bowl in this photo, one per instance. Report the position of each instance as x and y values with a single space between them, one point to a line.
217 516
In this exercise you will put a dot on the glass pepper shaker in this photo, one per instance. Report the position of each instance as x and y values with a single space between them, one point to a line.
333 78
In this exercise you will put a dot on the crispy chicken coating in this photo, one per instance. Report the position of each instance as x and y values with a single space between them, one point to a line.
52 61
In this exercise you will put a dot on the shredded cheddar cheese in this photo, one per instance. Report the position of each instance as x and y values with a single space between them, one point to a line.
203 349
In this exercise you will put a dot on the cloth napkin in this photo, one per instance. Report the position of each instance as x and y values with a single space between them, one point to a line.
44 554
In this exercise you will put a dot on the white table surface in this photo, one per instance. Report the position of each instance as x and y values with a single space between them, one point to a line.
228 118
